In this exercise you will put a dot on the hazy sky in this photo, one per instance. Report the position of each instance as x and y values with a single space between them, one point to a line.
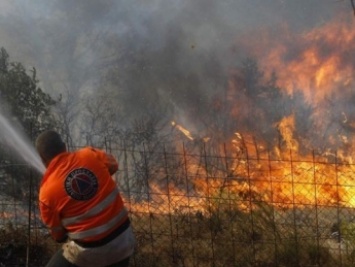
52 35
153 51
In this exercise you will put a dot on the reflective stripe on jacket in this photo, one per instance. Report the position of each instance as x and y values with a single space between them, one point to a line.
78 197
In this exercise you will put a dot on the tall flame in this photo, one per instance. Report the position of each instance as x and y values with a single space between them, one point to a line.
319 64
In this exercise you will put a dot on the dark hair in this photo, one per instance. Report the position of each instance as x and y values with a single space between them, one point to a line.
49 144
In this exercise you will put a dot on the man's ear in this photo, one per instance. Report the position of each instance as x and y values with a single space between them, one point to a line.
44 159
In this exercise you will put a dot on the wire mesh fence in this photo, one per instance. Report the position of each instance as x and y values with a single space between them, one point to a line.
209 207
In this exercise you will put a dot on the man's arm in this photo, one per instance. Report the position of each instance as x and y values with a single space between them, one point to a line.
52 221
108 159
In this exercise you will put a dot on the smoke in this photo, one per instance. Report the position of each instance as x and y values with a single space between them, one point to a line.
158 57
63 40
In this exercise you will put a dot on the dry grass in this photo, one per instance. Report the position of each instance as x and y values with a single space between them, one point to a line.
228 237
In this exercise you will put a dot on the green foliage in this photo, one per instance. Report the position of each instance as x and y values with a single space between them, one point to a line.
347 230
22 97
27 107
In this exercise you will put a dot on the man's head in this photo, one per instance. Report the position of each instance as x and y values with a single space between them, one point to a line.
49 144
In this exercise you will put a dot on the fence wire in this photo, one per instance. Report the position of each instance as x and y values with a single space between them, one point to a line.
208 207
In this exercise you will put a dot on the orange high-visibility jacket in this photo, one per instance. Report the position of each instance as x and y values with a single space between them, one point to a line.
78 197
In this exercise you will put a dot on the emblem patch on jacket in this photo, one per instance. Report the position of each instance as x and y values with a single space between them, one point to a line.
81 184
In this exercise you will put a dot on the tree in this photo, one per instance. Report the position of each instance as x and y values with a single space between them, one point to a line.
28 106
67 111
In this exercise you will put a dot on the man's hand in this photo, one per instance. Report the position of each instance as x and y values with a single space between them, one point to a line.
63 239
112 164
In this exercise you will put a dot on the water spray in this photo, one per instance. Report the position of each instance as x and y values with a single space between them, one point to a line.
21 145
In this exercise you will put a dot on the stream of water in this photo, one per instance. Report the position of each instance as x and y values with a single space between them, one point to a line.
20 144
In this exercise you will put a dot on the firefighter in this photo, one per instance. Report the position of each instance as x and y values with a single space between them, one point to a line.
80 204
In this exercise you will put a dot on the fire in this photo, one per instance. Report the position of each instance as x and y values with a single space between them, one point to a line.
286 128
319 64
283 184
183 130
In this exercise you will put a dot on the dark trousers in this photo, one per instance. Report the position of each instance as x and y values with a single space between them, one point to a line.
58 260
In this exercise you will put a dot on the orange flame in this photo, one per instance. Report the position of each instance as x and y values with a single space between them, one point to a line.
183 130
319 63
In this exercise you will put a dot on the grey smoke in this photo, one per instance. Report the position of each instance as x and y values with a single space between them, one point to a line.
158 56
